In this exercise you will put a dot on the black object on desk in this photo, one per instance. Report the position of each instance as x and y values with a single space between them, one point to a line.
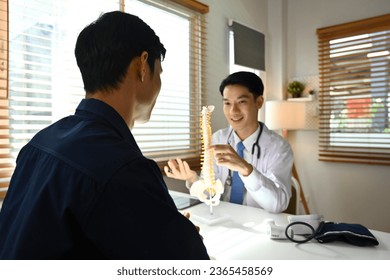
182 202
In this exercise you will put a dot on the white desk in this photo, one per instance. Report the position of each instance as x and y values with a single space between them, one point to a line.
242 236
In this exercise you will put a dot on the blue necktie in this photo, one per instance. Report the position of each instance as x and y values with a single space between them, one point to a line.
237 192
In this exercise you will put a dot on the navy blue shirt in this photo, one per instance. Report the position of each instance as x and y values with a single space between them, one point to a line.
83 190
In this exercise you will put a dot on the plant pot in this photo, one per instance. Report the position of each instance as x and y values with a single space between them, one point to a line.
296 94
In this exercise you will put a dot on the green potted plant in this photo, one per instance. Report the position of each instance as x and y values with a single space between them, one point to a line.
295 88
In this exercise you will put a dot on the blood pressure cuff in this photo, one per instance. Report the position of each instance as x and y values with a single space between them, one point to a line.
354 234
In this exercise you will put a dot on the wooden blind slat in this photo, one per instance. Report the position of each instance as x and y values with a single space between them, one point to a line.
194 5
374 24
6 167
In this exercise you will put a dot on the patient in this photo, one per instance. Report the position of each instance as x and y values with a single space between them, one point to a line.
82 188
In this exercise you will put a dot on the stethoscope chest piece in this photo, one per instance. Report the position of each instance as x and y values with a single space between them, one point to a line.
228 181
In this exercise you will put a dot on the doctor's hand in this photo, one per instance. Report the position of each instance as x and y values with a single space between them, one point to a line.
226 156
180 170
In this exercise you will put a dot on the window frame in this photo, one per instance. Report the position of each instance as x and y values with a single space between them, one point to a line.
340 146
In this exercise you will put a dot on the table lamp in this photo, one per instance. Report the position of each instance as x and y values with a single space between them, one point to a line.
287 115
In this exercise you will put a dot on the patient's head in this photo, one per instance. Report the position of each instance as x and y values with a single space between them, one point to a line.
105 48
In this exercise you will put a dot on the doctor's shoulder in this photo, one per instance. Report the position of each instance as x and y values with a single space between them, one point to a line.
276 139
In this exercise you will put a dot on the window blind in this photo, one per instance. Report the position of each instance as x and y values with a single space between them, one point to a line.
44 84
354 99
6 166
173 129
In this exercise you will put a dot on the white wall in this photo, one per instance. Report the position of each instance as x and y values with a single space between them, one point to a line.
353 193
252 13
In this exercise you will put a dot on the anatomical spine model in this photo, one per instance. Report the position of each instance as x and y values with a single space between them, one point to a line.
207 189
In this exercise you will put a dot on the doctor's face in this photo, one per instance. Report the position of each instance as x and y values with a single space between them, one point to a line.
241 108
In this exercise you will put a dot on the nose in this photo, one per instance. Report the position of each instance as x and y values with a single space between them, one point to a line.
234 108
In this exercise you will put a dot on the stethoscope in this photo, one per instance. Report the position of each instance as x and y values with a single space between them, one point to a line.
254 146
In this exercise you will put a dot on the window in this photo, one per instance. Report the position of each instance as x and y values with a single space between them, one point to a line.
40 81
173 130
354 61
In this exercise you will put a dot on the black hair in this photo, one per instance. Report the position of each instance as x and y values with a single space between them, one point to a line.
105 48
247 79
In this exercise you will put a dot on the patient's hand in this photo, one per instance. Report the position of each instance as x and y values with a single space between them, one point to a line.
187 215
179 169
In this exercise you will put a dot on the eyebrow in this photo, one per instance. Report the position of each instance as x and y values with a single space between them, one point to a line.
243 96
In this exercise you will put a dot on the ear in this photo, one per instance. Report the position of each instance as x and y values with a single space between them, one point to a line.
259 102
143 65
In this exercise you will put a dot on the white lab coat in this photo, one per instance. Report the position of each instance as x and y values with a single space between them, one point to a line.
269 185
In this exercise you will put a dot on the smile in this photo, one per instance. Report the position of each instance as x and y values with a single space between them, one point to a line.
236 119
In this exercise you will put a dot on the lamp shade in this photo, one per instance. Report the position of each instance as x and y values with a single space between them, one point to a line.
285 115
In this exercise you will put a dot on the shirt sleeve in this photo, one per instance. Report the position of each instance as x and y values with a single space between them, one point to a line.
269 184
135 218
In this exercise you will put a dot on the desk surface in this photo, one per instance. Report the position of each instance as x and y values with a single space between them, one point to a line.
241 236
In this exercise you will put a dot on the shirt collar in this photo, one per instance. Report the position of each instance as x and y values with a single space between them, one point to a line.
106 113
248 142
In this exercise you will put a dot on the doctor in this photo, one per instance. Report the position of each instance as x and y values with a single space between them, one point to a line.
261 177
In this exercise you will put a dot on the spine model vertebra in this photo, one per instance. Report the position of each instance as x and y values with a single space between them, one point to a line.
208 190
